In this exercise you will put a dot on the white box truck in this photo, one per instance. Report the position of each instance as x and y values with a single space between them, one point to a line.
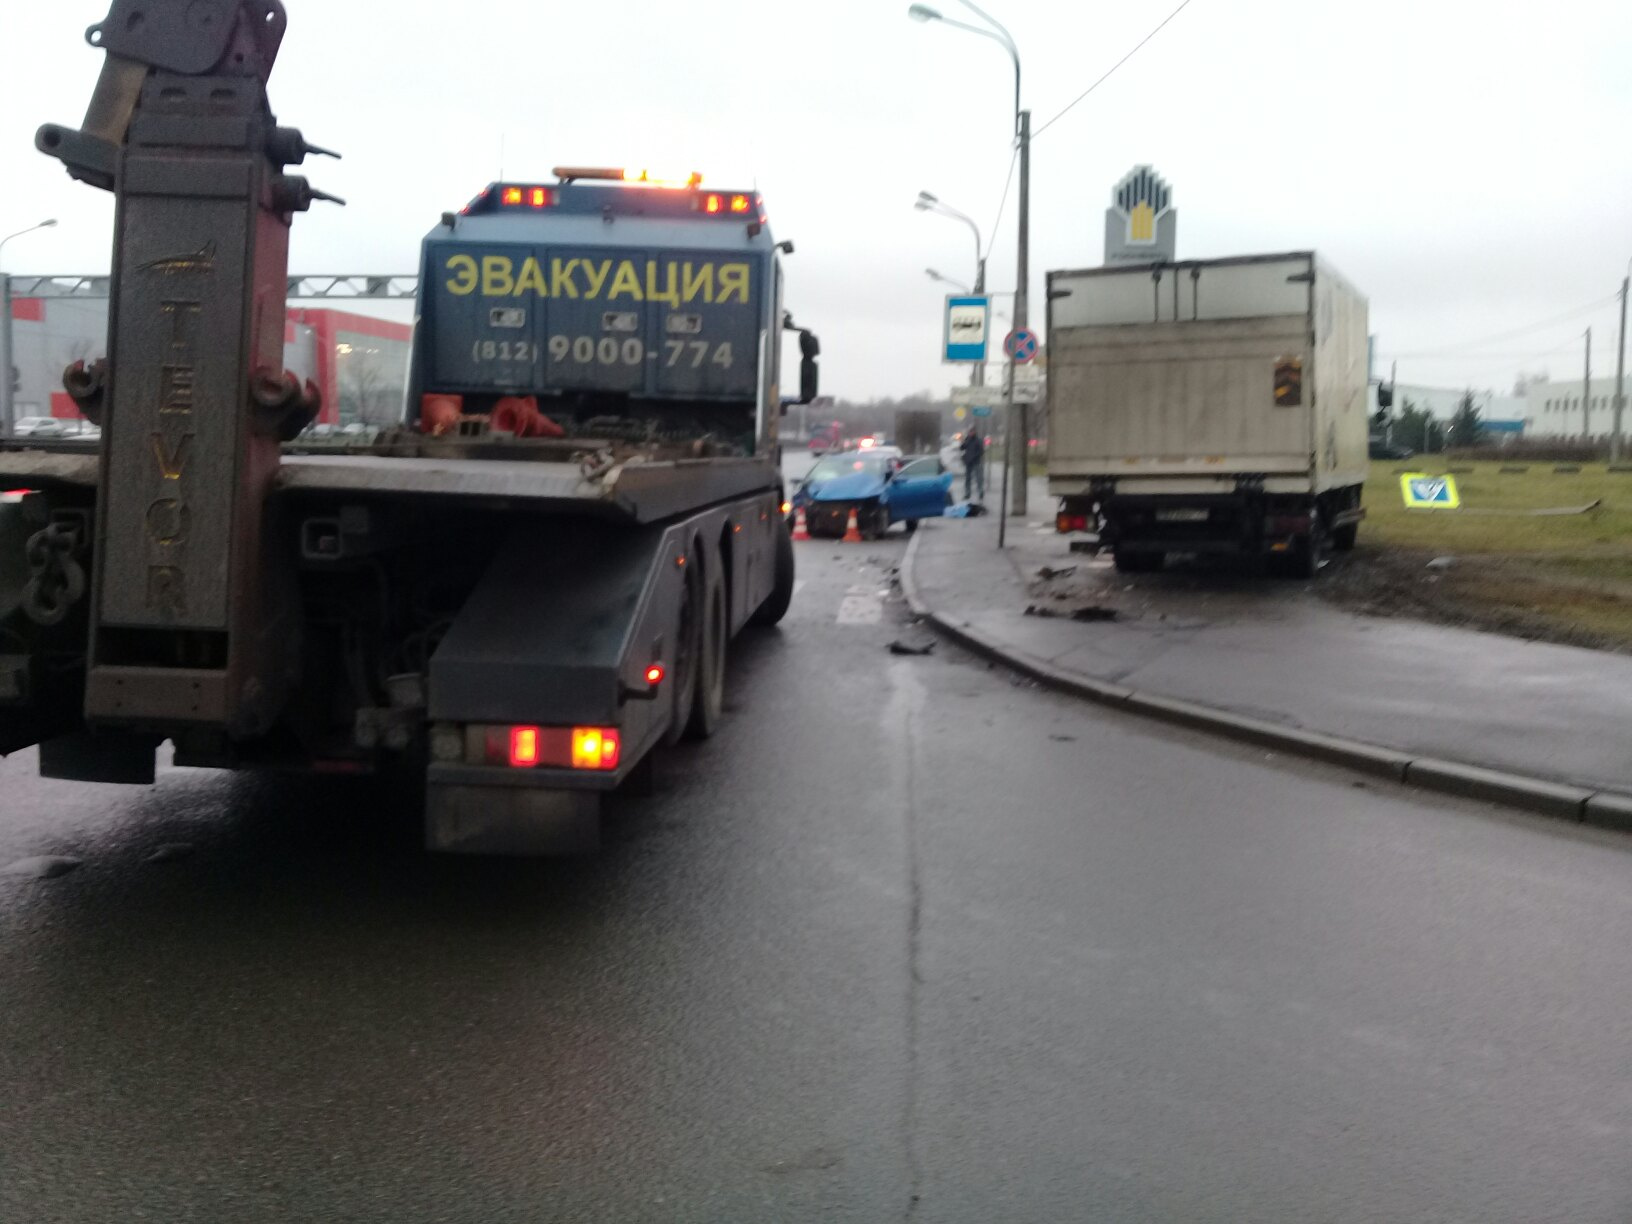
1210 406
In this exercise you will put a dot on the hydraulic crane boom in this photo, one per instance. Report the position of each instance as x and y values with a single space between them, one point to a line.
190 622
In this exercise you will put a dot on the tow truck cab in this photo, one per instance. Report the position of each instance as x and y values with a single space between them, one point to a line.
625 305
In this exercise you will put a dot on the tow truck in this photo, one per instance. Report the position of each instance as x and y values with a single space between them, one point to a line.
517 594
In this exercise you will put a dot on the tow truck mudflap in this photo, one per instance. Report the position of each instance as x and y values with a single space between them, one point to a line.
511 820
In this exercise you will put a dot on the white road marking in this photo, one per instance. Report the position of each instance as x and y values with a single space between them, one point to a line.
799 585
861 610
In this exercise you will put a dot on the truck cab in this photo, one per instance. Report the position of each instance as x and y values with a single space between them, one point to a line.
619 303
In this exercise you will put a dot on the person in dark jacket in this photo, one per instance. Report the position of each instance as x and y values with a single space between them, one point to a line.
973 450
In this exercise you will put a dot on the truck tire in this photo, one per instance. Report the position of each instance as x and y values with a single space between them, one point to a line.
1344 537
709 704
776 603
1309 551
688 652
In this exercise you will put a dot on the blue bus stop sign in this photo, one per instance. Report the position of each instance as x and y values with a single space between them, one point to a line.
967 323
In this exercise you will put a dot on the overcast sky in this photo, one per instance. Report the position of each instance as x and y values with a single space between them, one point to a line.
1468 166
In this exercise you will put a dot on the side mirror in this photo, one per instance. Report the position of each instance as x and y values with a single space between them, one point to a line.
810 348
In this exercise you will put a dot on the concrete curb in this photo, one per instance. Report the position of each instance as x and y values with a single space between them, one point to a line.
1582 805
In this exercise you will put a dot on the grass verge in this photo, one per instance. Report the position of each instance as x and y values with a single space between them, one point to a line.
1555 577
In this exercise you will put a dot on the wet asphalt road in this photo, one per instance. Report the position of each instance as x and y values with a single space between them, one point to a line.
907 940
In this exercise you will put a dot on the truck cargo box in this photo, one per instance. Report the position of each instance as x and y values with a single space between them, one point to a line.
1171 370
1209 406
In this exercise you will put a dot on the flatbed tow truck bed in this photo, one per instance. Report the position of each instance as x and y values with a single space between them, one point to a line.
640 491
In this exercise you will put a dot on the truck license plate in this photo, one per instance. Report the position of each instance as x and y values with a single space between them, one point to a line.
1181 516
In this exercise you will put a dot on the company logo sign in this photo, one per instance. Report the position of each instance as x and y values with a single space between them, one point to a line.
1143 198
1141 225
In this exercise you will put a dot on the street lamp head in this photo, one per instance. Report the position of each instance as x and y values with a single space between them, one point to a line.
922 12
51 224
925 199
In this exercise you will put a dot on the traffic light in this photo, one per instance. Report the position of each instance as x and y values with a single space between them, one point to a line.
1289 382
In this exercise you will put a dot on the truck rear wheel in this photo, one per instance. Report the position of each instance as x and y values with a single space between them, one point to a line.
1309 550
776 603
687 652
1343 538
709 704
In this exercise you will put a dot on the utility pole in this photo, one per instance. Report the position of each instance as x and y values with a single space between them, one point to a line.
1022 285
1620 376
6 406
1586 394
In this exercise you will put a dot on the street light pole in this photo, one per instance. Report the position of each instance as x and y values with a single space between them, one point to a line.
7 361
1017 455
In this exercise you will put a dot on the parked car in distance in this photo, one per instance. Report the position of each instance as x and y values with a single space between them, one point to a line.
37 427
1379 448
51 429
878 485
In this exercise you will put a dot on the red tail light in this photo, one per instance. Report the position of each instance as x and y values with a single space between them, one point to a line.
1066 523
524 747
739 204
655 674
512 195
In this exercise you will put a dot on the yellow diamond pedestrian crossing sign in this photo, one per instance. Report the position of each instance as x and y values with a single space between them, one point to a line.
1424 492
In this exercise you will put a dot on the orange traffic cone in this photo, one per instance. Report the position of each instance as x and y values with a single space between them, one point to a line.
852 530
801 529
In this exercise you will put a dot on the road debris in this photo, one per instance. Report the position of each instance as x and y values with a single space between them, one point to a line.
1441 564
902 648
1049 571
1091 613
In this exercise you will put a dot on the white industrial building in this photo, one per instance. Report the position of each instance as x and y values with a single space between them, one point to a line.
1554 409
